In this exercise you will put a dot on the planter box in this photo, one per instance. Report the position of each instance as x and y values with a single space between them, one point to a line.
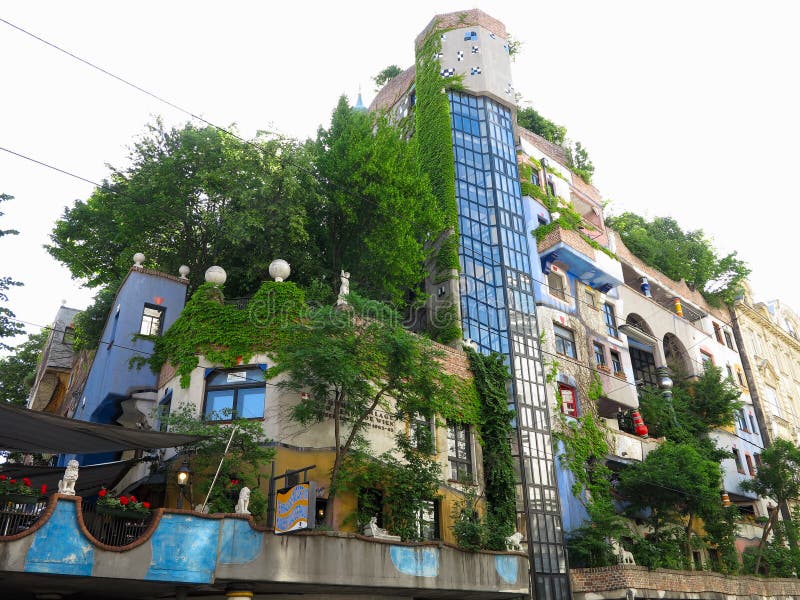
19 498
122 513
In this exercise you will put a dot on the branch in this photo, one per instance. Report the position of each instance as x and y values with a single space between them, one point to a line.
360 421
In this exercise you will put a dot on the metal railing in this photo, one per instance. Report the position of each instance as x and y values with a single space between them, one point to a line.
16 517
111 529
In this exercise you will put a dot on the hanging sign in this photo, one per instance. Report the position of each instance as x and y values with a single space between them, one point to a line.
295 508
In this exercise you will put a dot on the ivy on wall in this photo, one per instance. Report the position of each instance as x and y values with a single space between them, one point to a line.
434 137
491 376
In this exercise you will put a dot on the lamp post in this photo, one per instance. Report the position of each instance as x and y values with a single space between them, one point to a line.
183 478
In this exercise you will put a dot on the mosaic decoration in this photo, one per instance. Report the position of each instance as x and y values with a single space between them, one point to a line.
443 36
470 36
509 90
493 36
475 71
448 72
475 50
420 562
460 55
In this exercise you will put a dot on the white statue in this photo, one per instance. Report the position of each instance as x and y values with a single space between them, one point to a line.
244 500
66 486
344 289
371 529
625 557
514 541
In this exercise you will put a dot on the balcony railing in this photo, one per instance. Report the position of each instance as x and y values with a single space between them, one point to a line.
16 517
113 530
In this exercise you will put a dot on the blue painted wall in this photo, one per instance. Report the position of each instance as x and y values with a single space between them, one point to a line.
110 377
59 546
184 549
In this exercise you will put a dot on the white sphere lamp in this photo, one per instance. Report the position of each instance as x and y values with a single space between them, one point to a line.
216 275
279 269
138 259
184 271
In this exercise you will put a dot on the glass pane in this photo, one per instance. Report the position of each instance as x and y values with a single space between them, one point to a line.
219 404
250 403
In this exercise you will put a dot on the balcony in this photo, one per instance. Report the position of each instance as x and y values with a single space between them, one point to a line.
187 553
591 266
628 447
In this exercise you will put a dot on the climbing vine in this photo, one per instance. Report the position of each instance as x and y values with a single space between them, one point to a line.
432 114
491 375
225 334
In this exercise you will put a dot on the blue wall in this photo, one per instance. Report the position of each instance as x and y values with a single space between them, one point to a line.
111 377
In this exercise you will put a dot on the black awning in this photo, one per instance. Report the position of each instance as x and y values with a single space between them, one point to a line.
90 480
32 431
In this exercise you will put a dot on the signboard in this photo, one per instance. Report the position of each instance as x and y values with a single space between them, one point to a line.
295 508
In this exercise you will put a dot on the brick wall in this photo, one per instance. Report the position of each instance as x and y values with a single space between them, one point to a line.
466 18
612 582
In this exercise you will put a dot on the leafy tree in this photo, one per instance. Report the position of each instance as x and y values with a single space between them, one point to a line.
676 483
530 119
195 196
8 325
18 369
247 453
688 255
376 214
352 363
778 477
385 75
89 323
578 160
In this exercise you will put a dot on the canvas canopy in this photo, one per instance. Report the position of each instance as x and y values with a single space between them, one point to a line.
33 431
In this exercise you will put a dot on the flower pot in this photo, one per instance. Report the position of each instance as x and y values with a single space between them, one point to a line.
122 513
19 498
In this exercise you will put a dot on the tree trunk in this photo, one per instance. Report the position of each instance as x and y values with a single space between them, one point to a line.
689 558
773 514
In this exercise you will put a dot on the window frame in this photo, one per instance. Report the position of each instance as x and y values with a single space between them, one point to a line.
610 320
565 342
599 355
249 384
750 466
434 524
559 292
569 402
729 340
457 462
737 458
150 319
616 361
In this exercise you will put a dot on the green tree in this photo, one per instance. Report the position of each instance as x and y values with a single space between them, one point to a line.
385 75
376 214
778 477
248 452
18 369
676 483
578 160
530 119
679 254
8 325
89 323
352 363
195 196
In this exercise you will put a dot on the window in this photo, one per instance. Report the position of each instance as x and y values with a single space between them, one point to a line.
164 410
616 362
772 401
738 458
69 335
590 299
535 177
422 437
757 457
730 372
741 420
610 319
644 367
707 359
565 341
551 189
728 340
599 354
569 404
718 333
750 468
556 284
753 427
459 454
740 377
152 320
427 520
235 394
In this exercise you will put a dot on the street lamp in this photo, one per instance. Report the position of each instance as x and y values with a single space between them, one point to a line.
183 478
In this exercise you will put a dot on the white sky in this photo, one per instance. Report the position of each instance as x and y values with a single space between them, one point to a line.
688 109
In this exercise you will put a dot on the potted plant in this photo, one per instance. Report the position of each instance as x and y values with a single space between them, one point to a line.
20 491
127 507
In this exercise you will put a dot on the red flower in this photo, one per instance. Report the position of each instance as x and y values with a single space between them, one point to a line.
133 499
43 489
3 477
146 504
102 493
123 500
26 481
13 481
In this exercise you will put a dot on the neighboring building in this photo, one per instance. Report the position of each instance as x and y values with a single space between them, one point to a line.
53 375
115 391
493 291
770 335
670 324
